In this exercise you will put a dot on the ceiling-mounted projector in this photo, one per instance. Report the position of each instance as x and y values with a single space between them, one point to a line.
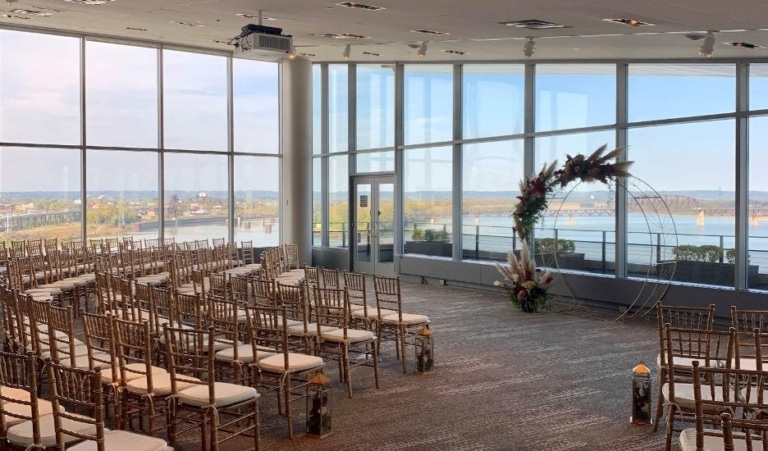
259 42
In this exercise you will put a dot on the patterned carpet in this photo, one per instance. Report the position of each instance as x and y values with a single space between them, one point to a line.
504 380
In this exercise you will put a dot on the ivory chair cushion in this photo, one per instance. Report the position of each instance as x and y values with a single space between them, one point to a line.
408 318
685 361
373 313
226 394
82 361
311 329
44 407
161 384
106 373
244 353
684 395
296 363
353 335
21 434
687 441
80 351
123 441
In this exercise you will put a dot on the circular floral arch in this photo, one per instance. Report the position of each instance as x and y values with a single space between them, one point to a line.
526 285
532 201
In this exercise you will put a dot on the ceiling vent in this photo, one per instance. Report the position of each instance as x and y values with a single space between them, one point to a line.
746 45
360 6
432 32
533 24
630 22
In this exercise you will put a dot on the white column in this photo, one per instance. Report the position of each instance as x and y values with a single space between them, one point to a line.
296 133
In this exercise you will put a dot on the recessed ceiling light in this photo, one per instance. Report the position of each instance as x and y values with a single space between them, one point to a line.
254 16
630 22
533 24
32 12
342 36
307 54
746 45
136 29
371 54
8 16
360 6
187 24
455 52
434 32
90 2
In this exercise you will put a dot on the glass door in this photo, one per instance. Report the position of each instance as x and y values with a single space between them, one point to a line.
373 225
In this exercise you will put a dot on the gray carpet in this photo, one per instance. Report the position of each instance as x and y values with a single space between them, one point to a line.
504 380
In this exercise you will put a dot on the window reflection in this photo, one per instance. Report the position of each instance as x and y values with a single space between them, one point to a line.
428 103
257 217
40 95
662 91
256 106
491 173
195 196
693 169
195 95
39 201
122 194
121 95
575 95
375 106
493 100
427 201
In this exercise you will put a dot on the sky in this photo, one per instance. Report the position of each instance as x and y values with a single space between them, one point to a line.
39 103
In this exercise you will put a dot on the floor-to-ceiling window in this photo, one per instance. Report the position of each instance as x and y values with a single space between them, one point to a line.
123 130
679 205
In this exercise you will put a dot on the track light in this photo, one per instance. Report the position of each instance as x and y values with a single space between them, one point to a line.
347 52
708 46
422 50
529 48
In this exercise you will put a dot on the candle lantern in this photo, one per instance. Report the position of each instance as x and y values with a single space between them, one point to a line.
319 406
425 351
641 395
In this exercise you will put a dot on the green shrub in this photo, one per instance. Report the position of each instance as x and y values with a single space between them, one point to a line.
710 253
686 252
730 255
706 253
548 245
435 236
418 234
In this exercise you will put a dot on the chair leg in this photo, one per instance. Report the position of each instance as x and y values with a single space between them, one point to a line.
401 333
288 405
214 428
659 400
375 353
670 424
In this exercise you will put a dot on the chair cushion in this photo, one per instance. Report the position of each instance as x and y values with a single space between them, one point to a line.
43 407
82 361
161 384
683 361
373 313
408 319
687 441
311 329
226 394
684 395
106 373
123 441
244 353
21 434
353 335
296 363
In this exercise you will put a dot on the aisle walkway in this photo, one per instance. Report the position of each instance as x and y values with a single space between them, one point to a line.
504 380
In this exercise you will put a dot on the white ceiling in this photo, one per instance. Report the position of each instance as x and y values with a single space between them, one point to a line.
473 26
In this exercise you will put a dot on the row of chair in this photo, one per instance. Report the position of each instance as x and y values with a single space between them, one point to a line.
689 344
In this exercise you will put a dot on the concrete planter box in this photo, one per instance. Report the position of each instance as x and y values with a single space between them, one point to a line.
429 248
561 260
701 272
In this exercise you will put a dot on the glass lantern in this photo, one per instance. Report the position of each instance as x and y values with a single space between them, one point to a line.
319 406
641 395
425 351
